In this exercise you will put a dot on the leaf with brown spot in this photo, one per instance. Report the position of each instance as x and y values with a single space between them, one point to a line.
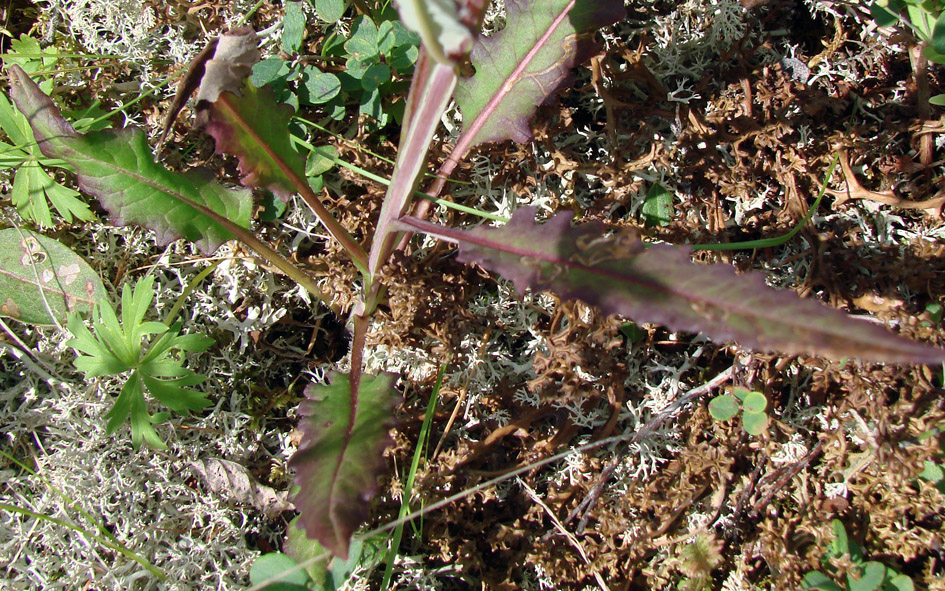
40 276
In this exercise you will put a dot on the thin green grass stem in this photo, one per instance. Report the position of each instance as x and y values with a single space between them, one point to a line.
408 486
191 286
777 240
119 547
379 179
354 144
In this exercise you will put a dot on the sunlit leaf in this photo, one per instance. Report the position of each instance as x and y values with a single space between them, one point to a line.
117 167
523 65
39 276
614 270
340 457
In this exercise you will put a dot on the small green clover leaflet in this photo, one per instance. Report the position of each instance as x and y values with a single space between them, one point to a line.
116 348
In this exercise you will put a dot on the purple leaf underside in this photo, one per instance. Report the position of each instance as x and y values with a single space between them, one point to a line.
341 457
523 65
255 129
660 284
118 168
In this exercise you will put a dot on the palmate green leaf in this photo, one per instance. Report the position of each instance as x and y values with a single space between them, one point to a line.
118 168
41 280
340 456
660 284
33 188
523 65
155 367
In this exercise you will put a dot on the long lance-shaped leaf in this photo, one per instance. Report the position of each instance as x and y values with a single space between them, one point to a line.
248 123
523 65
660 284
117 167
341 456
430 94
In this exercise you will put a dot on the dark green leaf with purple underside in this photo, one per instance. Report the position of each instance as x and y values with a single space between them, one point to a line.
254 128
341 455
523 65
117 167
660 284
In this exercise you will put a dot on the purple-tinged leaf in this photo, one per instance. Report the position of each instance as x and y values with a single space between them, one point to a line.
255 129
247 123
660 284
117 167
341 456
523 65
430 93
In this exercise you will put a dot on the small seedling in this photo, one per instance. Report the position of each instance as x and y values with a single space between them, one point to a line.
866 575
657 206
116 348
751 404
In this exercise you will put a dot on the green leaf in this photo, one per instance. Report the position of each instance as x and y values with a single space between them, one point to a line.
871 579
394 35
922 21
754 423
321 160
27 53
118 168
340 456
116 348
723 408
268 71
819 581
329 11
293 27
272 565
900 583
403 58
657 206
932 472
363 553
256 130
754 402
634 333
882 15
320 87
41 280
374 76
33 188
938 34
438 24
301 549
362 45
660 284
840 544
523 65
